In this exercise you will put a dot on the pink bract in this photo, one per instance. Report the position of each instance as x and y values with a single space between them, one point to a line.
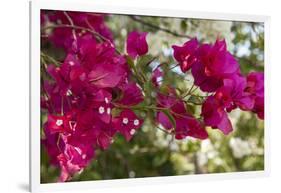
185 123
214 64
127 123
215 116
255 86
136 44
63 37
186 55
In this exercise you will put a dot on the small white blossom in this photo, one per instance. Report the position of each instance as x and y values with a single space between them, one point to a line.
101 109
125 120
59 122
108 110
136 122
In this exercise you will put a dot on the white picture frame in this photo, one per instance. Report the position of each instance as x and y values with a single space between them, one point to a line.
87 5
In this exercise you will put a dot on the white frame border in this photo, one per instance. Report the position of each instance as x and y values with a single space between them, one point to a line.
34 122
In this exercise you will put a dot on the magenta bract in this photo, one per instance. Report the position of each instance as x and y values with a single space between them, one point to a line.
186 55
215 116
214 64
136 44
186 124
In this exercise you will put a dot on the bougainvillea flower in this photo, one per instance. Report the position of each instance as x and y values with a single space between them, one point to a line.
101 103
217 60
185 123
69 74
52 147
92 53
102 134
70 61
67 169
59 77
78 80
206 83
99 59
56 124
136 44
63 36
104 76
255 86
92 129
157 76
259 107
67 152
214 64
170 100
127 123
189 126
102 95
215 116
74 159
131 94
186 54
164 120
233 94
255 83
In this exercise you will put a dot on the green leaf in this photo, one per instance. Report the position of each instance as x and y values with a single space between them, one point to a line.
132 66
144 61
115 112
130 61
194 100
148 86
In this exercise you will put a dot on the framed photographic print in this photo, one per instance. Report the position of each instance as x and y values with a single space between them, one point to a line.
123 95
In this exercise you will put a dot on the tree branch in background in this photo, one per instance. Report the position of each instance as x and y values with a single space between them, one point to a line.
137 19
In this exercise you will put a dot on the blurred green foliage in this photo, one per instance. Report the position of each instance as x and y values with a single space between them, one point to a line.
152 152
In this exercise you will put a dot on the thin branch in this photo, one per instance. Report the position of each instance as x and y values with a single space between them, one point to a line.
137 19
171 68
163 130
51 59
72 24
188 92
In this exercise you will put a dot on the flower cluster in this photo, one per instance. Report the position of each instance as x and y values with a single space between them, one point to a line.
95 91
80 98
217 73
64 37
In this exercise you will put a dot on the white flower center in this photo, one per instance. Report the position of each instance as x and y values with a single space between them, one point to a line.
101 110
133 131
136 122
68 93
106 100
59 122
108 110
125 120
71 63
